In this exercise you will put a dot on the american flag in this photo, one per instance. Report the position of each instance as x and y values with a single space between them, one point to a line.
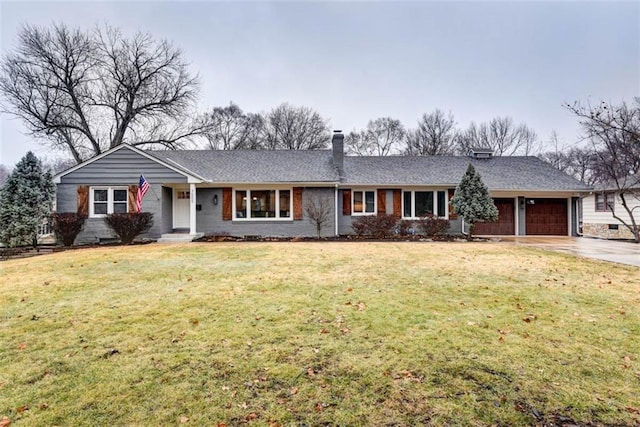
143 187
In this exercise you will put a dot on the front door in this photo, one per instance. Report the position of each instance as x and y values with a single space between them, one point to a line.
180 208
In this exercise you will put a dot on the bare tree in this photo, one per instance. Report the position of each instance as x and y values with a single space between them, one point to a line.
578 162
434 136
289 127
502 136
319 210
615 134
231 129
382 137
86 92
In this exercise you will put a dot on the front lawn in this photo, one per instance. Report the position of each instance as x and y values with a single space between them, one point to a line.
291 334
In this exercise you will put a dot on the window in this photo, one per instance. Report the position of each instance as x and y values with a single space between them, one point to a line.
604 202
107 200
417 204
262 204
363 202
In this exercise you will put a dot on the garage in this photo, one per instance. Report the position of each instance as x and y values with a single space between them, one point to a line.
505 226
546 217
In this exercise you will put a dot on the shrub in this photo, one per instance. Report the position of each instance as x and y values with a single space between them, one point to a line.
129 225
433 226
67 226
405 227
379 226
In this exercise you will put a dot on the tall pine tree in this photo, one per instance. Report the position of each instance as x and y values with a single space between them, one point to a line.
472 200
25 202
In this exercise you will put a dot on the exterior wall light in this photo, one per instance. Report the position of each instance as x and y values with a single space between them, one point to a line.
215 199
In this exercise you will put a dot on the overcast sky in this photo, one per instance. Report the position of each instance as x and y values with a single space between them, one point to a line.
357 61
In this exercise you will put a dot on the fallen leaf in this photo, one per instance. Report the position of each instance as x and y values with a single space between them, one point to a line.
349 289
184 419
189 279
294 391
324 331
318 407
501 339
43 406
22 408
194 321
179 289
4 422
22 346
311 372
251 416
222 424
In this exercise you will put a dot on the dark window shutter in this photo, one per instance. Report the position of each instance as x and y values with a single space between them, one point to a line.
452 215
382 201
83 200
346 202
227 204
132 198
297 203
397 203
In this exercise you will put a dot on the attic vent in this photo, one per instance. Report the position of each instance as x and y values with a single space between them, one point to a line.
481 153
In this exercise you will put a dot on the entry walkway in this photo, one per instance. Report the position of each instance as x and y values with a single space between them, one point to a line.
606 250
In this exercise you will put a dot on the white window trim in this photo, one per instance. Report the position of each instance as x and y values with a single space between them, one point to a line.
364 201
435 202
275 218
110 200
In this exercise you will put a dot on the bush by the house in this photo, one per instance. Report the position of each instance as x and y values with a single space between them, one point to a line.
379 226
432 226
405 227
67 226
128 226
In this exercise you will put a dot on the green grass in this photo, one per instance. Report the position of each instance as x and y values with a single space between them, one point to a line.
318 333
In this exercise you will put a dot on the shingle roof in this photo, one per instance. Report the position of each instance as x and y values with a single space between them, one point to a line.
498 173
255 166
290 166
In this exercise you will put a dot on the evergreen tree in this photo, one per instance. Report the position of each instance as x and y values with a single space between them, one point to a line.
25 201
472 200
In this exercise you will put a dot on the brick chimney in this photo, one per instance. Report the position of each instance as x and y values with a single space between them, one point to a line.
337 144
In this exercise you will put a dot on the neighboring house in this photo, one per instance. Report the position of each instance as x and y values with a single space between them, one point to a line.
599 207
249 193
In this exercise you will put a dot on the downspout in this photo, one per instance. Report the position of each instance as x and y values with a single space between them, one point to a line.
335 205
578 208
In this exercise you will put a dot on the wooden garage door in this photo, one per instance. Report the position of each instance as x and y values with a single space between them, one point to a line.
546 217
505 226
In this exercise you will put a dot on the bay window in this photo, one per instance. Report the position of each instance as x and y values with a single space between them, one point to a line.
418 204
263 204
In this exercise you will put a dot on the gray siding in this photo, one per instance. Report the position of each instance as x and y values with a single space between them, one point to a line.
522 225
95 228
167 210
344 221
209 218
122 167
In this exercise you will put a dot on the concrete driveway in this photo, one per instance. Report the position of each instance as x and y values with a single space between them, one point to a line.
606 250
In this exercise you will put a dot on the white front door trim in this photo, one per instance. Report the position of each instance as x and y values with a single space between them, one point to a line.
181 209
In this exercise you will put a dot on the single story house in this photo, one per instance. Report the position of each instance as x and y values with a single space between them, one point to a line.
599 206
248 192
